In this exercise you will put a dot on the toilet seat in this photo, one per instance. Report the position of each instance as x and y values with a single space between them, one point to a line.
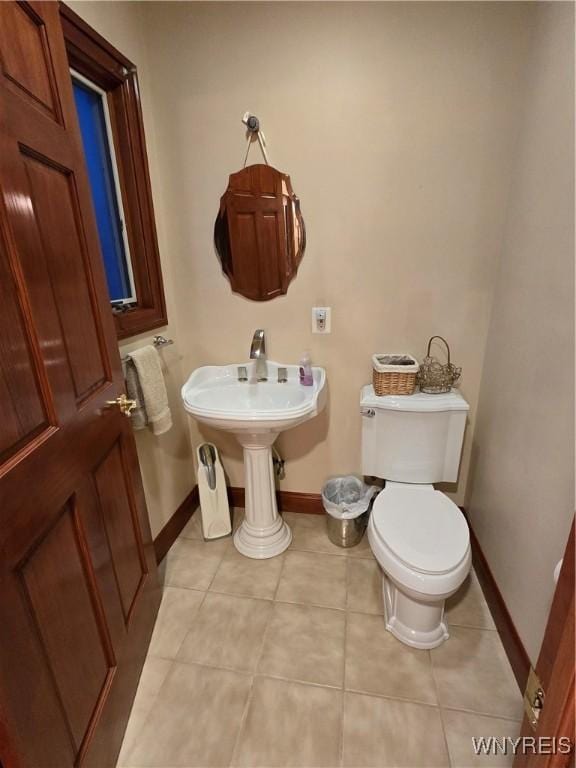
422 527
421 540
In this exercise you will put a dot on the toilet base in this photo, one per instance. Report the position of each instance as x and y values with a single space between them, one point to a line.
413 622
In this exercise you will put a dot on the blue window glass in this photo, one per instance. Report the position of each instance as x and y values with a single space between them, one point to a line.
97 151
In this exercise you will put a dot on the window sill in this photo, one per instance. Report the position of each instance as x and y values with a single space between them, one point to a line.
131 322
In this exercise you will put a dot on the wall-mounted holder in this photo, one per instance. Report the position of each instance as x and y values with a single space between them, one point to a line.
255 133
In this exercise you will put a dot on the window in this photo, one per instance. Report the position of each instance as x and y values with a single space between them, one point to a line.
106 195
105 87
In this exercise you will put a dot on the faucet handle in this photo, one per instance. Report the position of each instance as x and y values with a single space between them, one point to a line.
242 373
282 375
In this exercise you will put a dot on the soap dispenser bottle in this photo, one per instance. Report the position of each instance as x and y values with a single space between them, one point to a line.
305 370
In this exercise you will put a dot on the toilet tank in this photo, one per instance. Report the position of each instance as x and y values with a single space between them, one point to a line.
412 438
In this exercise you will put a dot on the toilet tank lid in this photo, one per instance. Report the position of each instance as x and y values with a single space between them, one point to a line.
419 401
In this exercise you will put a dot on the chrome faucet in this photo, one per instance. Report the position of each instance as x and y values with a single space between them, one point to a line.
258 353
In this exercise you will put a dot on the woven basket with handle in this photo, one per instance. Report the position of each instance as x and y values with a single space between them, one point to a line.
434 377
394 374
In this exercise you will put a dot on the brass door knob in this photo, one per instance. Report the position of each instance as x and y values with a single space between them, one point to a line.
124 403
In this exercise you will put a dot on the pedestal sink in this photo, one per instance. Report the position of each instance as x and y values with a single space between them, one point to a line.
255 412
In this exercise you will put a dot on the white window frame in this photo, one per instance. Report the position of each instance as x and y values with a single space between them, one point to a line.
132 299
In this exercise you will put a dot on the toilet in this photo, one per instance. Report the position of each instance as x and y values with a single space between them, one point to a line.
417 534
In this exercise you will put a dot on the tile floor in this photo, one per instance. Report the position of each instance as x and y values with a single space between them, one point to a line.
286 662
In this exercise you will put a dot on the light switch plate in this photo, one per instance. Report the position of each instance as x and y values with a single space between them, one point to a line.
321 319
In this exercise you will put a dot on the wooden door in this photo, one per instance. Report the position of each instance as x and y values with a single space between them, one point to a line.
556 671
78 582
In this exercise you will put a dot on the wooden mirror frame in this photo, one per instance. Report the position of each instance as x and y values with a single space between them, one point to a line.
259 232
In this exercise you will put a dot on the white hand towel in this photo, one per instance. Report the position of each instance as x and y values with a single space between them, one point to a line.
138 417
153 387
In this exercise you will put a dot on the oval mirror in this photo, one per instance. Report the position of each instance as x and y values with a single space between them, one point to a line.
259 232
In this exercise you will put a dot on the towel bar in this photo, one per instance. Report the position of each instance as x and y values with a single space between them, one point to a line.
157 341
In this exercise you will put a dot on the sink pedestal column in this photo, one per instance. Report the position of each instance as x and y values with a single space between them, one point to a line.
263 533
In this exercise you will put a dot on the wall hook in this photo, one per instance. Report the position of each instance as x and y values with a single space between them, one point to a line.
254 132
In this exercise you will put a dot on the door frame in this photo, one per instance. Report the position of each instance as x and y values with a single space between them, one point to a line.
556 671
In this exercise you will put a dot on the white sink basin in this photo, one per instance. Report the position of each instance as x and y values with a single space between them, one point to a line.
256 412
214 396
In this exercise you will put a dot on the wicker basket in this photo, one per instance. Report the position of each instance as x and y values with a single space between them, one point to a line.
394 374
437 378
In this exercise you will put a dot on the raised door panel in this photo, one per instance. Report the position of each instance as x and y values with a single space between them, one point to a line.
122 526
64 602
58 286
98 543
23 410
272 241
257 244
55 202
70 600
34 719
244 243
25 57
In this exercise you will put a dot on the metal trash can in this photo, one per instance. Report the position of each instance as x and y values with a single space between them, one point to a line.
347 502
347 533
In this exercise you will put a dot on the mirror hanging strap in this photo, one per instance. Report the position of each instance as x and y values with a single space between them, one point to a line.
262 147
253 125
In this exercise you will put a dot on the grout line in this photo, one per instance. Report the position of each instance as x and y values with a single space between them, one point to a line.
453 623
437 691
253 674
208 665
335 552
311 605
178 586
182 586
244 595
194 615
491 715
240 596
344 554
196 612
216 571
274 596
250 696
309 683
366 613
159 656
342 706
145 718
251 689
274 599
389 697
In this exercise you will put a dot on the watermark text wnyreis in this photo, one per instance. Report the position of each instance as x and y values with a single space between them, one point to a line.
522 745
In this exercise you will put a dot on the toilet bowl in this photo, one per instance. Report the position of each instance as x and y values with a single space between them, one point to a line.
421 541
419 537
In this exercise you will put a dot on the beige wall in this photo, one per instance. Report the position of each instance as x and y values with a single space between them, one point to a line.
418 160
396 122
165 461
522 495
